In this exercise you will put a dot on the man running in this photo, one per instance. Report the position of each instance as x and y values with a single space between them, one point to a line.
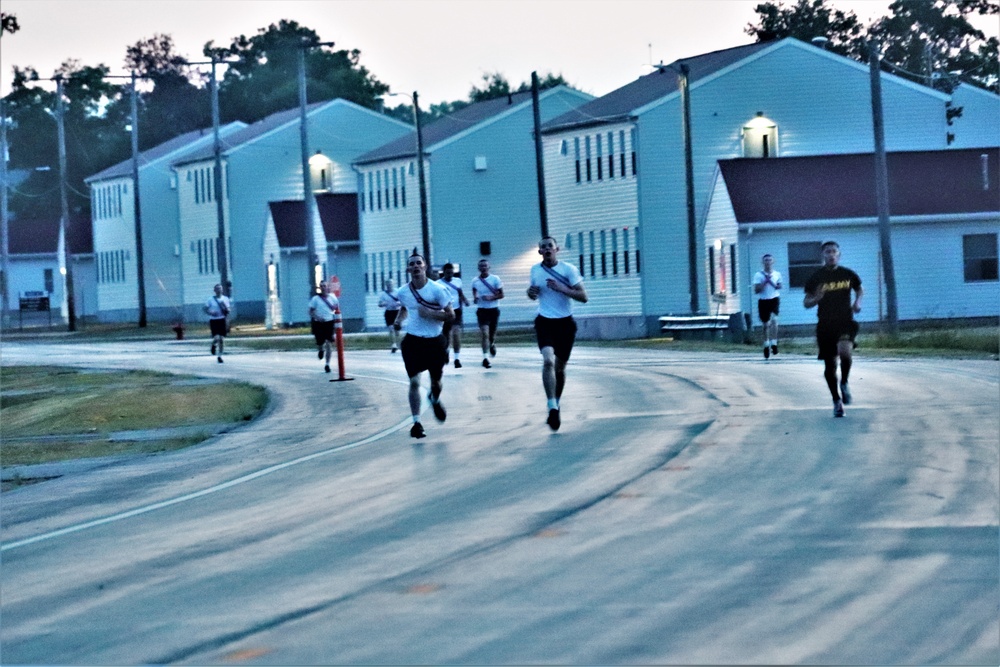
767 285
830 288
387 299
555 285
453 330
217 308
423 346
487 290
322 313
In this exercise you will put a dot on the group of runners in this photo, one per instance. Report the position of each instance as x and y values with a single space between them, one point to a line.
432 307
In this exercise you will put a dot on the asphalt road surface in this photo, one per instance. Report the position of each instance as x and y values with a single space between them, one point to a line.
694 508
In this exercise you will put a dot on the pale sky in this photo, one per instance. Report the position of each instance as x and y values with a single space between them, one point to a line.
440 48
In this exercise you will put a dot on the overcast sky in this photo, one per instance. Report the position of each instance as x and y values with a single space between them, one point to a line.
440 48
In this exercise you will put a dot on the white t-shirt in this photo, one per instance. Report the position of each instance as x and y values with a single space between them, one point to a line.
769 291
481 287
322 309
554 304
388 301
218 307
451 289
431 293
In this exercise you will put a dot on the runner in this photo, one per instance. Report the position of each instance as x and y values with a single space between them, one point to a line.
322 312
555 285
486 291
767 285
387 299
423 346
217 308
453 330
830 289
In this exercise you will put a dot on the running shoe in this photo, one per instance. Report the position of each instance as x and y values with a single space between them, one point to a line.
767 352
845 393
393 350
486 363
319 354
220 360
417 430
493 350
774 349
439 412
838 409
213 349
326 369
458 364
553 420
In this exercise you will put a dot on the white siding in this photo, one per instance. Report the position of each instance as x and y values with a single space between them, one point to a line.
199 232
590 207
720 225
979 124
113 207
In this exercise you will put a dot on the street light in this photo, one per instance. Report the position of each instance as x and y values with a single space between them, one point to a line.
424 224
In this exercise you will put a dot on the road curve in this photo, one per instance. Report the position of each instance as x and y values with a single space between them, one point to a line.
694 508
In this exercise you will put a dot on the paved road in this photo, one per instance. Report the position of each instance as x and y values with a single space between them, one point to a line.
694 508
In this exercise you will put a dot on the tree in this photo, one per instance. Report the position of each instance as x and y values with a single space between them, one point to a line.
264 78
496 85
929 41
8 23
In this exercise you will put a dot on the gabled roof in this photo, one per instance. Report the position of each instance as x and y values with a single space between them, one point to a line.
828 187
339 215
289 223
619 105
28 236
444 128
255 131
172 148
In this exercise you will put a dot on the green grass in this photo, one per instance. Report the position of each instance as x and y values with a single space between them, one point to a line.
39 401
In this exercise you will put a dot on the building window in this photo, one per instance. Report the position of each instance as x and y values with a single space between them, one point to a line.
378 189
371 193
621 148
979 252
611 154
395 188
760 137
386 174
576 147
402 186
732 268
614 252
711 269
593 252
50 286
634 161
600 158
804 259
604 253
625 249
361 189
587 143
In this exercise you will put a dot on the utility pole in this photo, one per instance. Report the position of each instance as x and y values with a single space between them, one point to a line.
64 205
4 223
220 211
140 269
882 189
425 231
539 165
692 227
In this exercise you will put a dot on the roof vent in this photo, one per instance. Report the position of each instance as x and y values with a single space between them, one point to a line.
820 41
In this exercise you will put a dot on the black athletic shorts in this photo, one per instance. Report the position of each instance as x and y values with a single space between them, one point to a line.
457 322
424 354
828 334
488 317
558 333
390 317
218 326
322 331
768 307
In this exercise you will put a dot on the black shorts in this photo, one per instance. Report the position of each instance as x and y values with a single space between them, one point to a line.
322 331
768 307
559 334
424 354
829 334
457 322
488 317
390 317
218 326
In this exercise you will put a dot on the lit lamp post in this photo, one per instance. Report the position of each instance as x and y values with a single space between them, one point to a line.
424 224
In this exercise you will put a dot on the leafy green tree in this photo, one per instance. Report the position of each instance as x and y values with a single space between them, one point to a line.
8 23
264 77
930 41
